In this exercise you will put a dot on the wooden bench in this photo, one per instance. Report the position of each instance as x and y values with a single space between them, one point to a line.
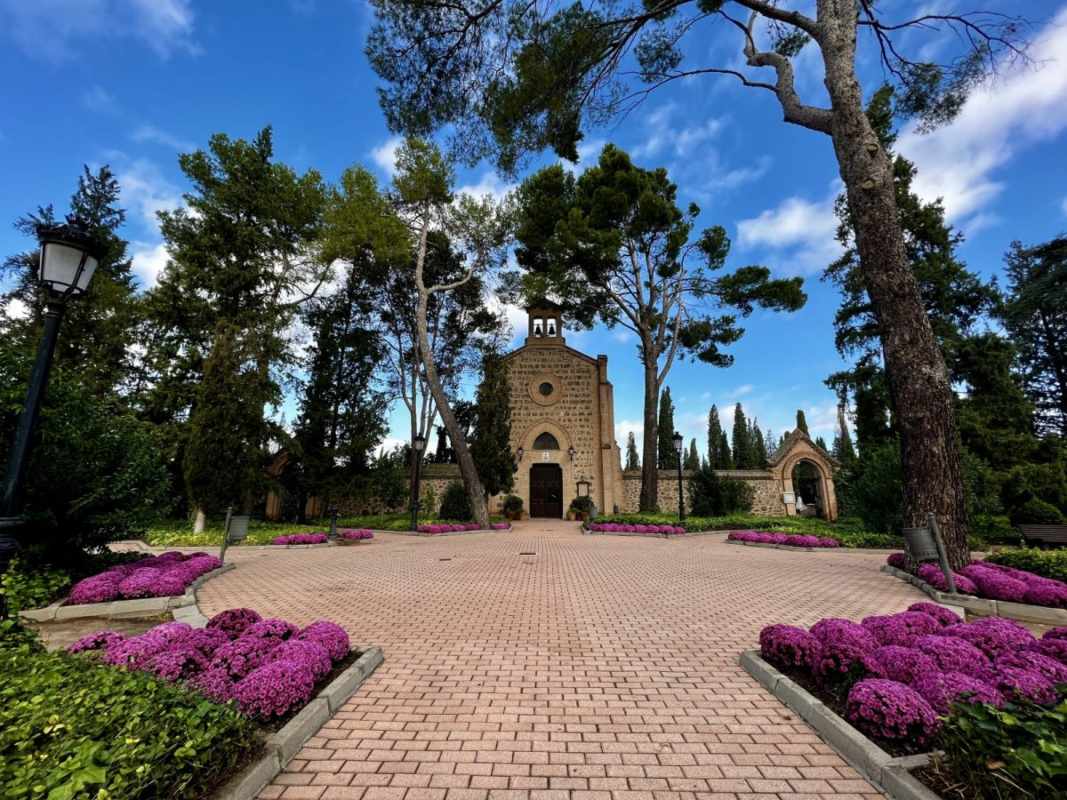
1039 535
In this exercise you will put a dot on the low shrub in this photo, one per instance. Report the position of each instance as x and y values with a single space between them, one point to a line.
513 505
583 505
355 535
850 533
300 538
69 728
652 530
1046 563
454 503
711 495
24 587
787 539
165 575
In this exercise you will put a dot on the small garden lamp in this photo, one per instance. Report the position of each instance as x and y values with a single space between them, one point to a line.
520 453
571 452
418 444
678 444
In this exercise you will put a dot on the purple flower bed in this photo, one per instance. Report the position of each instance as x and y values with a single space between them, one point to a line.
900 671
165 575
300 538
268 667
457 527
625 527
993 582
788 539
355 534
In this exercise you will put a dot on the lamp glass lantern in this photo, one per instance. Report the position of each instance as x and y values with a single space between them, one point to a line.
520 453
571 452
419 443
678 442
68 259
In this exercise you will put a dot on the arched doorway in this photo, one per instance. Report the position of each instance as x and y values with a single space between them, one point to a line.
546 491
808 489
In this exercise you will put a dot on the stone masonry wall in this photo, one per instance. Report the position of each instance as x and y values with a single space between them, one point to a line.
767 493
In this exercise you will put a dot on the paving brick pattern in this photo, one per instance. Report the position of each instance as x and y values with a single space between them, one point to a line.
600 668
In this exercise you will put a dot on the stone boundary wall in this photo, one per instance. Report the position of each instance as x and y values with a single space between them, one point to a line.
767 490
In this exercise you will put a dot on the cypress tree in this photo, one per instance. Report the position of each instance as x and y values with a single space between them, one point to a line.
844 452
726 459
715 455
668 459
759 447
802 423
742 445
491 448
633 462
692 458
821 443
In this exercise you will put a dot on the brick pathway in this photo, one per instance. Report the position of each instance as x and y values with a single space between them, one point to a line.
599 668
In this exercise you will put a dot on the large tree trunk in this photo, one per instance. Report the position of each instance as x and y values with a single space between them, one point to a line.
920 392
649 462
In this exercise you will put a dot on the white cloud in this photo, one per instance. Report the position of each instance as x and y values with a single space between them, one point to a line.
16 309
144 190
150 133
148 262
57 30
489 185
384 155
390 443
742 390
623 428
513 314
1025 105
664 138
98 99
799 229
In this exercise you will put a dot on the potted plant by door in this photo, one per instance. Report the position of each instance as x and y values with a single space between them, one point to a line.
513 507
582 508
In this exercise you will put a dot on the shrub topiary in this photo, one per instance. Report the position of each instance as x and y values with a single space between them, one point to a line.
454 503
788 646
513 505
712 496
891 710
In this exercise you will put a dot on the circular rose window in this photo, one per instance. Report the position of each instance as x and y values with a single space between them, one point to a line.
545 389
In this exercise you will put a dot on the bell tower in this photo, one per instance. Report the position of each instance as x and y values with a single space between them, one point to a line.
544 323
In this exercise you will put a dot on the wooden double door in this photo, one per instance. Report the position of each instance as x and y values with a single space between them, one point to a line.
546 491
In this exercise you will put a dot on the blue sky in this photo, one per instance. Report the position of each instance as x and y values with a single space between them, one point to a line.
134 82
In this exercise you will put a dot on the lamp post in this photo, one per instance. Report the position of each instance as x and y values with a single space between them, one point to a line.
418 444
66 263
678 442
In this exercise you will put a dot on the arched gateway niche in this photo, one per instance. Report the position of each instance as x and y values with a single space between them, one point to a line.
544 478
805 471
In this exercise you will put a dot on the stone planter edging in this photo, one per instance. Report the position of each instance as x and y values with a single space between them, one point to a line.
125 609
784 546
282 746
447 533
891 774
983 607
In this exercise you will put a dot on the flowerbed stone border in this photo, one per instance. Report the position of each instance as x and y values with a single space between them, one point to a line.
124 609
888 773
785 546
448 533
983 607
281 747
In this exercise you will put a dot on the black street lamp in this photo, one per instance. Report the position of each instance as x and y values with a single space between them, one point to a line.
418 444
66 263
678 442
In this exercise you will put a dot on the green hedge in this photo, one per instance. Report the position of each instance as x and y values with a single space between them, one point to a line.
73 729
1047 563
848 532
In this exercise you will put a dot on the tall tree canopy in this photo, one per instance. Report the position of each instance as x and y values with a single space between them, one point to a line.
665 453
715 434
633 461
511 78
613 245
491 445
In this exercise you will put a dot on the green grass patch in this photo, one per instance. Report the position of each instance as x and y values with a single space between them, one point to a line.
70 728
1046 563
849 532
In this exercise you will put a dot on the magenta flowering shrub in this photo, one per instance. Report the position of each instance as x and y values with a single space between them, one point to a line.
995 584
891 710
177 662
1035 661
330 635
307 652
898 560
1053 648
300 538
933 575
1055 633
901 664
233 621
274 689
788 646
214 683
206 640
942 689
449 527
278 629
843 644
626 527
992 635
355 534
787 539
1024 684
901 629
101 640
134 652
501 526
952 654
943 615
242 655
165 575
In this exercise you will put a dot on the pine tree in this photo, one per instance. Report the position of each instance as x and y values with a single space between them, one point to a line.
843 451
726 459
692 458
633 461
802 423
491 445
668 458
821 443
715 456
742 447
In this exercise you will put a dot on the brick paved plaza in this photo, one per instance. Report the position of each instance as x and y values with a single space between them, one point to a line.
599 668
